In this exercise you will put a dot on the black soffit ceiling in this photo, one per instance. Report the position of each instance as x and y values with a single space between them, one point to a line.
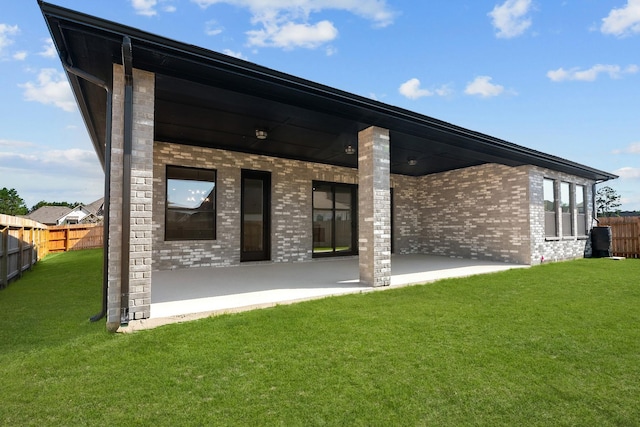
207 99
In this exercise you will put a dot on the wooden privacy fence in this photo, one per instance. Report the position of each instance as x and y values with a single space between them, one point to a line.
64 238
22 243
625 232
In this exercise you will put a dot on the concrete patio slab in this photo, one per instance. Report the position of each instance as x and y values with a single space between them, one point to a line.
181 295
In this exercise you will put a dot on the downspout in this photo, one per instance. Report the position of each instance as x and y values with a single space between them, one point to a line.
594 205
107 179
127 62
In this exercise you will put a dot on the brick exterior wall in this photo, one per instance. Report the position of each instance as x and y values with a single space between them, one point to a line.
479 212
374 207
561 248
140 248
491 211
291 205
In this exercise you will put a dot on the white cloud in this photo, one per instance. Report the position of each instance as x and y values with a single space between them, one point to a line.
41 174
286 23
6 33
331 50
291 35
145 7
483 87
52 87
148 7
50 161
48 49
633 148
591 74
20 56
510 18
412 89
373 10
628 173
623 21
211 28
234 54
15 143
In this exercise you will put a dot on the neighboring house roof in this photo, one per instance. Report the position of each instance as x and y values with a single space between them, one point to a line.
208 99
96 208
49 215
57 215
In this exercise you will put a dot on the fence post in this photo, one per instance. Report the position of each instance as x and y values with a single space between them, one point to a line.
20 249
4 259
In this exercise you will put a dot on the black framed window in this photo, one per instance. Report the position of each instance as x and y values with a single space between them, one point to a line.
549 194
567 209
190 204
334 219
581 209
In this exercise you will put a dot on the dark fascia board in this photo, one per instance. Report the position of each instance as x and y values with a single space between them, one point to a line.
353 106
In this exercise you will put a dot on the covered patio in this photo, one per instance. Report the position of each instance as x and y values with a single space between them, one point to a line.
188 294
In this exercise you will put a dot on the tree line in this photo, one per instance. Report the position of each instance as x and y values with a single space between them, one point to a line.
12 204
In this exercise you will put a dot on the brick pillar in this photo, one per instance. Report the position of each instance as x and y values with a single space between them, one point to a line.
374 207
139 245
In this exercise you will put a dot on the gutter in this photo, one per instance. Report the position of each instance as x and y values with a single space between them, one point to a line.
127 61
107 178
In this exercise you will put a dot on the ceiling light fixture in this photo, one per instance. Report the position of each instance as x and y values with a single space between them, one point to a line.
412 161
350 149
261 134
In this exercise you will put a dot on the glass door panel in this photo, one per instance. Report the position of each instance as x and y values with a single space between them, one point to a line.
343 224
255 216
333 219
322 219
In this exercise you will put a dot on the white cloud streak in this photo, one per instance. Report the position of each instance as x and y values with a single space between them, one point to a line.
591 74
48 49
510 18
40 174
482 86
628 172
291 35
234 54
51 87
211 28
12 143
633 148
373 10
285 23
6 36
412 89
623 21
145 7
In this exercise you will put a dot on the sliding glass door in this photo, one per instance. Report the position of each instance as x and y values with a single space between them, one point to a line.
334 219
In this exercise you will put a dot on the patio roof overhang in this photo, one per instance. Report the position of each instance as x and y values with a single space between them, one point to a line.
208 99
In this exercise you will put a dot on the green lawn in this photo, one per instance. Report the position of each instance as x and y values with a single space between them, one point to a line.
557 344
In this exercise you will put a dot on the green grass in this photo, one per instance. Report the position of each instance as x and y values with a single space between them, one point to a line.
557 344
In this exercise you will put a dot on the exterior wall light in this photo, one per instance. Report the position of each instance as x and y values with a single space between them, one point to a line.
261 134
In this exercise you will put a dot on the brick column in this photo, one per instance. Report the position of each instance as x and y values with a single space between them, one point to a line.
139 245
374 208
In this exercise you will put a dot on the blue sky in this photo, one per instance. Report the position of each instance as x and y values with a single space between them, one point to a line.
561 77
